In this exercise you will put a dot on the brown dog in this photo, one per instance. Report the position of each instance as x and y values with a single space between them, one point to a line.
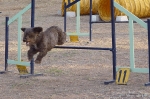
42 42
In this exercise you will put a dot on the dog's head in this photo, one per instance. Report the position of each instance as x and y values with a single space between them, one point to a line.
31 34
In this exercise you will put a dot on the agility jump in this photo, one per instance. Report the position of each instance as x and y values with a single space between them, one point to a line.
19 61
132 19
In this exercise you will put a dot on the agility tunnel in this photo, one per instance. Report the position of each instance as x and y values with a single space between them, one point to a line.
84 7
140 8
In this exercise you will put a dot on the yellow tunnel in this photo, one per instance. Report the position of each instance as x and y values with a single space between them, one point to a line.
84 7
140 8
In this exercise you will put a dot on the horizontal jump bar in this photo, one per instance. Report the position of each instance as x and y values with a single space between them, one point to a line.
115 22
18 62
78 34
87 48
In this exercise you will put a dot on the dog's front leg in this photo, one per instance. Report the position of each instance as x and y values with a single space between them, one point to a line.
40 56
31 53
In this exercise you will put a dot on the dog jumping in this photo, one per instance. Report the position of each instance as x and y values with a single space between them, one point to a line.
42 42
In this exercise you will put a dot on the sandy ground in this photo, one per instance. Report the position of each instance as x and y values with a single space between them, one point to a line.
72 74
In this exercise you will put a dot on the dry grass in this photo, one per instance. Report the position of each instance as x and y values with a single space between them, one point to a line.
72 74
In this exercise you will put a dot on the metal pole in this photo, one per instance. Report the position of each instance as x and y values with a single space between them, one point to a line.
32 25
90 20
32 66
149 45
65 19
32 12
6 43
87 48
68 1
148 25
113 43
113 39
78 18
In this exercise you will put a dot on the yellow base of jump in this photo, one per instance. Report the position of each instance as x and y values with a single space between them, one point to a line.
22 69
74 38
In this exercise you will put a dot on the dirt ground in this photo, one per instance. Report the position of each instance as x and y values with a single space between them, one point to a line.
71 73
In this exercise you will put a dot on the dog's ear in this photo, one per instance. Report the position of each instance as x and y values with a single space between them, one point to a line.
37 29
23 29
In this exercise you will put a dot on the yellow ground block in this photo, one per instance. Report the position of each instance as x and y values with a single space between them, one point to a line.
122 76
22 69
74 38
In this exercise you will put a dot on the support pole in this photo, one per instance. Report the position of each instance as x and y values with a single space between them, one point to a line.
6 43
32 12
113 40
19 38
65 18
148 25
113 43
68 1
90 20
32 25
131 36
78 18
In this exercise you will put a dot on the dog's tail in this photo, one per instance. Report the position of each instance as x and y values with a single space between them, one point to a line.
61 38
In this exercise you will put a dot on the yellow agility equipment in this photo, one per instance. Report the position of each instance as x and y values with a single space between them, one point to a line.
74 38
140 8
22 69
84 7
122 76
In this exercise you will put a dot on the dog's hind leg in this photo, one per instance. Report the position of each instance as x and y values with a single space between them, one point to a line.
61 38
40 56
